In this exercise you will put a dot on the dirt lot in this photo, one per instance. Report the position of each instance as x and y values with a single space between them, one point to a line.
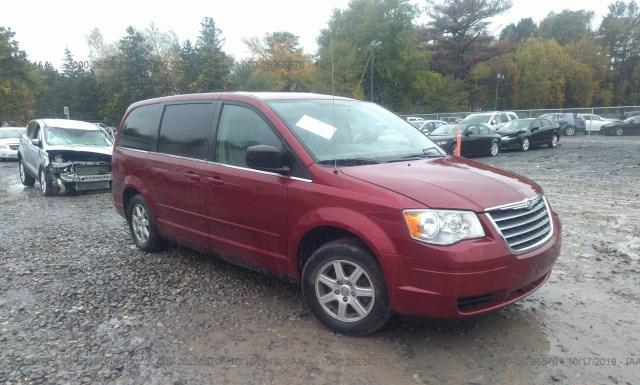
80 304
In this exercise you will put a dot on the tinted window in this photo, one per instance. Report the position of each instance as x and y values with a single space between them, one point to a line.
504 118
546 123
140 127
185 130
484 130
239 129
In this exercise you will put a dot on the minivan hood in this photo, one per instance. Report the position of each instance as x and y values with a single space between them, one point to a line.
448 182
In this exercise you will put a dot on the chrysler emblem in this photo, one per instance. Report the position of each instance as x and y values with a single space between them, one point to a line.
529 204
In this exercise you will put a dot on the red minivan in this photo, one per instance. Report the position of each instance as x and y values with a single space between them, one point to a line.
340 195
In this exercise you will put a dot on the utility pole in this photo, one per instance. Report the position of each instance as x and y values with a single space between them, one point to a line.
499 77
372 46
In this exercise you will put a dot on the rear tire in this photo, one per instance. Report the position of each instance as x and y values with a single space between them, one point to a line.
570 131
143 226
25 178
553 143
619 132
351 299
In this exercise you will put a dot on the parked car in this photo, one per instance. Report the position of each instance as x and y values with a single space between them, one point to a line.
304 187
9 142
593 122
64 156
451 119
630 114
477 139
111 131
630 126
492 119
570 123
523 134
413 119
426 126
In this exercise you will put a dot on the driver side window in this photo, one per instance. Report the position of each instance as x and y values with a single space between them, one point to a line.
239 129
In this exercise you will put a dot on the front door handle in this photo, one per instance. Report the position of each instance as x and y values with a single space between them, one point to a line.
214 181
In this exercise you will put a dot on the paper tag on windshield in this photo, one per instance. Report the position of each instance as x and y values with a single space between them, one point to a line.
316 127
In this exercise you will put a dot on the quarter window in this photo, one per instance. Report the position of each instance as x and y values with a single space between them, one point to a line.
140 127
185 130
239 129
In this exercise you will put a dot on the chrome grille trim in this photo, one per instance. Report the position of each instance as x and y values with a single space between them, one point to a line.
535 224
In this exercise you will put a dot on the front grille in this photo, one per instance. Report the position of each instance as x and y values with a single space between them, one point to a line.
92 170
13 147
523 228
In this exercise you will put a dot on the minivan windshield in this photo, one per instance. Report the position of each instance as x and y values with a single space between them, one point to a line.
477 118
352 132
55 136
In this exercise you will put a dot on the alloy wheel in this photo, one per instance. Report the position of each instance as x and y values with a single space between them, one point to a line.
140 222
619 131
345 291
43 182
21 169
495 148
525 144
570 131
554 141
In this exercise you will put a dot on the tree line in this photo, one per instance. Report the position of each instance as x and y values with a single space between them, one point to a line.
373 49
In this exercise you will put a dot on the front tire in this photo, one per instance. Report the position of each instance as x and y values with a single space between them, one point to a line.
143 227
344 288
46 183
495 149
525 145
619 132
25 178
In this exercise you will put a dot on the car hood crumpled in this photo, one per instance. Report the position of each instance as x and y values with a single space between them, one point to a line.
448 183
87 149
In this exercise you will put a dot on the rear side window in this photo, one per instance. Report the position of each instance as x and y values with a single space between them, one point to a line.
239 129
185 130
504 118
140 127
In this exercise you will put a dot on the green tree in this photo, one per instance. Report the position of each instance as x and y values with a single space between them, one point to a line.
213 64
567 26
457 33
517 33
620 33
19 81
403 80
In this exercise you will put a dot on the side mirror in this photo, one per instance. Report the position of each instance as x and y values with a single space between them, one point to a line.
36 142
266 158
493 122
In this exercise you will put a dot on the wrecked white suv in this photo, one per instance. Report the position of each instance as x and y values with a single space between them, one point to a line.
65 156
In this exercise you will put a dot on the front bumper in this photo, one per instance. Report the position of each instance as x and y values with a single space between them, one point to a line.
471 277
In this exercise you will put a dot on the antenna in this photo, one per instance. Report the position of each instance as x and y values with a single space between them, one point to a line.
333 110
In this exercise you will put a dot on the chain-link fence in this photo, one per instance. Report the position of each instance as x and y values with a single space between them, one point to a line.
603 120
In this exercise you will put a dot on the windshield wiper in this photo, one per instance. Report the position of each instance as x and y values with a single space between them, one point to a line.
349 161
435 153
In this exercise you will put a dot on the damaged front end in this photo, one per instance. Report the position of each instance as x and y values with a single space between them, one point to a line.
72 171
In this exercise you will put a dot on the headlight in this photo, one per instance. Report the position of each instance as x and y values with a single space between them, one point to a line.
442 227
505 138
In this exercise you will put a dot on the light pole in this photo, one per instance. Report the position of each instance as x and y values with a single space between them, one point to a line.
372 46
498 78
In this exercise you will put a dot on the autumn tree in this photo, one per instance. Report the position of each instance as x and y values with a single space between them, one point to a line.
520 31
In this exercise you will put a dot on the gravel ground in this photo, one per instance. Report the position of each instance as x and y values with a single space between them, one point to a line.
80 304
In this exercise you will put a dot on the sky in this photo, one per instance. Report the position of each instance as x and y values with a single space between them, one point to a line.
45 28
